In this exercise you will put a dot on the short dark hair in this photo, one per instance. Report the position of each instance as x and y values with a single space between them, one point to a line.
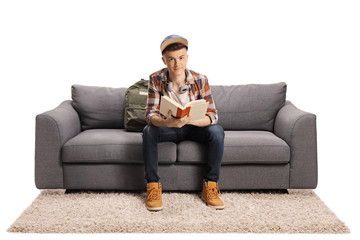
174 47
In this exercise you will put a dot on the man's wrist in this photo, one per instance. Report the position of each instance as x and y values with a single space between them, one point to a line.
158 121
204 122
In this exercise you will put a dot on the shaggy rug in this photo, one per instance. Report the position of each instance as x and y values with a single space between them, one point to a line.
300 211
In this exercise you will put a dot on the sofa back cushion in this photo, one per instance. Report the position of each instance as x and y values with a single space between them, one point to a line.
249 107
240 107
99 107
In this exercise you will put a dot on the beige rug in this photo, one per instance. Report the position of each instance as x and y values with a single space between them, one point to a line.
300 211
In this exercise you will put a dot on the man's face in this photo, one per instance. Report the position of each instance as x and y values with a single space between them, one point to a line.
176 61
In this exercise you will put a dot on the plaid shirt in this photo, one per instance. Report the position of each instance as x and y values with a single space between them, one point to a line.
198 89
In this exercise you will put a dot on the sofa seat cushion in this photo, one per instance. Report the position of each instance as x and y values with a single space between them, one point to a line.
240 147
111 146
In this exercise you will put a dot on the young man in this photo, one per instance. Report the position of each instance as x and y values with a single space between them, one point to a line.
182 85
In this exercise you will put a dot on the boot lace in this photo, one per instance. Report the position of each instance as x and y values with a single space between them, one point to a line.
213 193
154 194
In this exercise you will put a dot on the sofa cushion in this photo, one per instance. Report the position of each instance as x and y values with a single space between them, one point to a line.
111 146
249 107
99 107
240 147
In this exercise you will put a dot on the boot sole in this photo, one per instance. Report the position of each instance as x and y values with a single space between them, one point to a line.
212 206
154 208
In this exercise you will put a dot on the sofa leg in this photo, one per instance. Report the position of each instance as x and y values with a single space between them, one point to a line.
282 191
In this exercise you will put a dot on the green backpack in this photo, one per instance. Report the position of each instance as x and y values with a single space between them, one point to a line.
135 103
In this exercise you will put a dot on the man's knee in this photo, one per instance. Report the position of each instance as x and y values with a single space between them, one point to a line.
216 132
150 131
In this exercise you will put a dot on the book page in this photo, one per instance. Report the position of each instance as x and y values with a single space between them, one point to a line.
198 110
167 104
196 102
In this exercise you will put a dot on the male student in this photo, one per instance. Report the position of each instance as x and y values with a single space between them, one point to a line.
182 85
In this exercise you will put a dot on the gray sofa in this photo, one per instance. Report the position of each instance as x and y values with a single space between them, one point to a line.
269 144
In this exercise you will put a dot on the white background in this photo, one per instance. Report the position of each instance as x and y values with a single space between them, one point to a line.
313 46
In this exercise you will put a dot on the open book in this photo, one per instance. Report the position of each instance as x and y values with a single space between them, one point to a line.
196 109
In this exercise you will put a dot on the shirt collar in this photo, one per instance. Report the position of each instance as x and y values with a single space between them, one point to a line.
189 77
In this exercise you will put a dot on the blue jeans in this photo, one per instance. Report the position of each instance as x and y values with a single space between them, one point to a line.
213 135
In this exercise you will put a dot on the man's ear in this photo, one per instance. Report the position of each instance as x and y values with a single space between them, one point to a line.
163 59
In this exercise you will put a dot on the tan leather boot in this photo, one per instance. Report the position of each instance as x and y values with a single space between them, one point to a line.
211 195
153 201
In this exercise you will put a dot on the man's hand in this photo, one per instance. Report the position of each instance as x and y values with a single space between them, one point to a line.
170 121
176 122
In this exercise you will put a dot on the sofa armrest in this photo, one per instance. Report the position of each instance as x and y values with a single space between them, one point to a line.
53 129
298 129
